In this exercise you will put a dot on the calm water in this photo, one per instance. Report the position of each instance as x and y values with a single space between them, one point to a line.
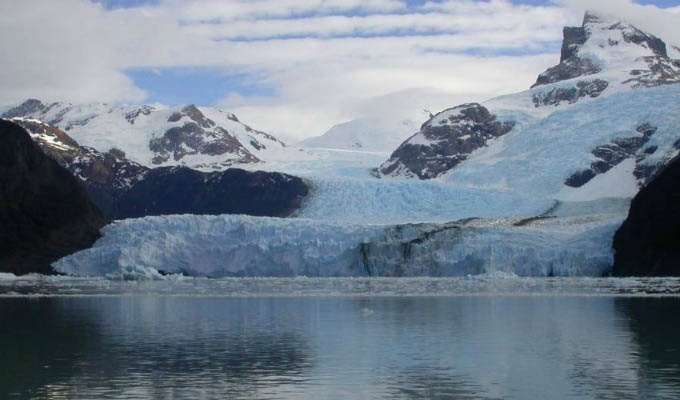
343 338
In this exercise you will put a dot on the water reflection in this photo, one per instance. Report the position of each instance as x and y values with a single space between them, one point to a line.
655 325
146 348
487 347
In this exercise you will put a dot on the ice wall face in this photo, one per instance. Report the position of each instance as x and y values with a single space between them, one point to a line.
248 246
217 246
560 247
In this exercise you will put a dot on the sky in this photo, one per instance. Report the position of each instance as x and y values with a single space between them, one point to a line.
293 68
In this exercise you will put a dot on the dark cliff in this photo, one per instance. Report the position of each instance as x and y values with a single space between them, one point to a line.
44 212
648 242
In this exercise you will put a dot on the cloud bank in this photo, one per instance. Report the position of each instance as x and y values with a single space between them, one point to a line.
325 61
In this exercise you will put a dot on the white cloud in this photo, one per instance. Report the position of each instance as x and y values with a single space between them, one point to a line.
211 10
327 60
57 49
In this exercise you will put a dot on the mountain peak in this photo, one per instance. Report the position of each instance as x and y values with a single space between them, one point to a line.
27 107
613 49
592 17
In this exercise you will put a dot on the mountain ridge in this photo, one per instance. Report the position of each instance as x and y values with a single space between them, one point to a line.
603 63
203 138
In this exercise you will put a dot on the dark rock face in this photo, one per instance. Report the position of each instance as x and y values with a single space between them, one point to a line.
648 242
612 154
568 69
572 94
573 38
44 212
181 190
199 135
445 141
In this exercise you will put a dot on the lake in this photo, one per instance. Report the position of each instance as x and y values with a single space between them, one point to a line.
483 338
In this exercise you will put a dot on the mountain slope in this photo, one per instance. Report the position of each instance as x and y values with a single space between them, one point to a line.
44 213
124 189
154 136
365 134
598 124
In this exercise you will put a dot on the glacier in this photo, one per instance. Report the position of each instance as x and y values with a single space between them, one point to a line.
240 246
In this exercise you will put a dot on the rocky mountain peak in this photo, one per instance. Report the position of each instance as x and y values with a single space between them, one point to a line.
29 106
612 47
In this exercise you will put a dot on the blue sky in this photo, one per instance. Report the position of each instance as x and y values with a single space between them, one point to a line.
293 67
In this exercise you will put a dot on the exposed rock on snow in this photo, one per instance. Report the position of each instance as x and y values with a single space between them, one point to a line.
648 242
570 94
610 155
44 213
154 136
444 141
198 135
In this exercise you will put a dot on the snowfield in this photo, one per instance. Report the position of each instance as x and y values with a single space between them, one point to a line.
541 152
376 134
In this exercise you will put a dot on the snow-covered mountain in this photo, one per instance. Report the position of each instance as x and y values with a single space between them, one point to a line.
374 134
155 136
598 124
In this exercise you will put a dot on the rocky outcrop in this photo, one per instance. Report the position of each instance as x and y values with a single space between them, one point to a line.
610 155
181 190
124 189
44 213
570 95
648 242
445 141
131 116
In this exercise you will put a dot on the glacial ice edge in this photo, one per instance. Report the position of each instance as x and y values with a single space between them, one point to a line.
244 246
